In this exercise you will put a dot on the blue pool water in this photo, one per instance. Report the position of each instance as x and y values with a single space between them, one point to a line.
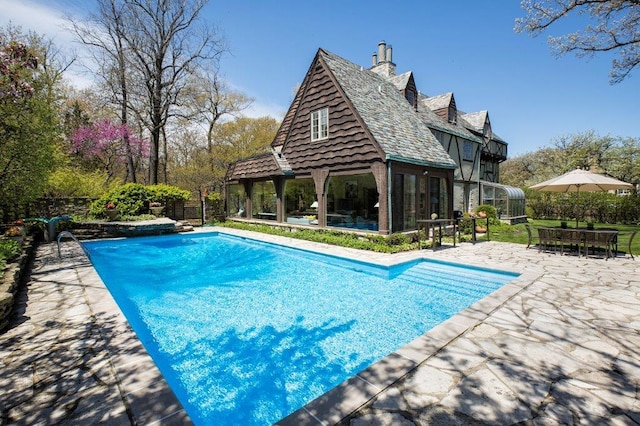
247 332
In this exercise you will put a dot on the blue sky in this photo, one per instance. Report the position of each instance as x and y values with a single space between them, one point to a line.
467 47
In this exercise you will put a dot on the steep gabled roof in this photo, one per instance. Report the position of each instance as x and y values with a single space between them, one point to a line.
435 122
261 165
401 81
438 102
475 120
393 123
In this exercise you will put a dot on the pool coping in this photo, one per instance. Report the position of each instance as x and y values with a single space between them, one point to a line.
336 404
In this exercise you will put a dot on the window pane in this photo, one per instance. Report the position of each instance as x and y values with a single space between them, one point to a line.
324 123
236 198
409 202
263 198
351 202
299 195
314 126
320 124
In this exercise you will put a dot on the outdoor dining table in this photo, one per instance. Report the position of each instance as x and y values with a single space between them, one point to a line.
606 238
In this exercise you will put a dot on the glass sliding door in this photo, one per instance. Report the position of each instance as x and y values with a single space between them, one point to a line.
404 208
263 200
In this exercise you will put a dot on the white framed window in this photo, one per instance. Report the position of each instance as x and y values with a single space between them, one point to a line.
320 124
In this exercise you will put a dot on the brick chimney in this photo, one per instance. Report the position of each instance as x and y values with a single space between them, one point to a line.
382 62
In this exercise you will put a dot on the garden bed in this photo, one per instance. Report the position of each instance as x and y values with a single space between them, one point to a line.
11 278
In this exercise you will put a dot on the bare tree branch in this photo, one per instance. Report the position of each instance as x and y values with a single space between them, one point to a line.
615 27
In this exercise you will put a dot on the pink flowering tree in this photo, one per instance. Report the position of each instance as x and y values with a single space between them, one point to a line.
16 63
108 144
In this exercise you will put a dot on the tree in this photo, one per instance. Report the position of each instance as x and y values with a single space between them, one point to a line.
166 45
615 28
152 47
29 130
240 138
615 156
196 167
111 57
211 99
108 143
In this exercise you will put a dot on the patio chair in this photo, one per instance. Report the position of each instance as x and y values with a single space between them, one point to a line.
546 237
573 238
528 228
598 240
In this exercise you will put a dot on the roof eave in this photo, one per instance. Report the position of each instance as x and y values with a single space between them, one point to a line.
419 162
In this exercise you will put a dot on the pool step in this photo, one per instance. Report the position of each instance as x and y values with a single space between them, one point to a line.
183 226
469 283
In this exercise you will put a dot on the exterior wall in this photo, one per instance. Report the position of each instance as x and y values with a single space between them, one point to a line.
467 170
468 174
348 147
422 206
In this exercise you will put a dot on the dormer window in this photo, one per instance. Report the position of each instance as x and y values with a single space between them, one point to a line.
411 97
451 115
320 124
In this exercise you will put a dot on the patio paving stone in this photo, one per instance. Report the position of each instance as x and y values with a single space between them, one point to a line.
558 345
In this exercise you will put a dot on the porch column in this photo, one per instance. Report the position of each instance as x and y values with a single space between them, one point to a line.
248 189
379 171
278 183
320 180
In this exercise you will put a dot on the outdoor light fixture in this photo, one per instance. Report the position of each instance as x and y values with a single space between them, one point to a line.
376 205
314 205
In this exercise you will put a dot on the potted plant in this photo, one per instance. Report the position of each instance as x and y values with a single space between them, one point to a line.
156 208
111 210
14 233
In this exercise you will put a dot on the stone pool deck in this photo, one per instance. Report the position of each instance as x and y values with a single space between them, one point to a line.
558 345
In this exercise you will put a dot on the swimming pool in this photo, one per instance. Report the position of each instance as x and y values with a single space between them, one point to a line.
247 332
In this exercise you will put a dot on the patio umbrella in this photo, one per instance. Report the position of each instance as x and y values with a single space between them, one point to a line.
581 180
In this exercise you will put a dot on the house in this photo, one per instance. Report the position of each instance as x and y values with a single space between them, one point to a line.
364 149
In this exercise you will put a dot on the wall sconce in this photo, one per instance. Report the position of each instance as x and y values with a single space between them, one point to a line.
314 205
376 205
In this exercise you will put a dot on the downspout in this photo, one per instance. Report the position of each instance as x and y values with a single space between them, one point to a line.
389 189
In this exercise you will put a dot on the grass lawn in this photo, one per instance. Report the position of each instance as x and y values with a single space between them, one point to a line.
518 233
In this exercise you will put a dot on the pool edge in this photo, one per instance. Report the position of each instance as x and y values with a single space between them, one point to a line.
342 401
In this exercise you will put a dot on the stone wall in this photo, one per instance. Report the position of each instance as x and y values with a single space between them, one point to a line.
48 207
11 278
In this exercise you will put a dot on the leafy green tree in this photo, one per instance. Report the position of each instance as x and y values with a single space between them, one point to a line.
240 138
201 169
29 131
613 27
69 181
615 156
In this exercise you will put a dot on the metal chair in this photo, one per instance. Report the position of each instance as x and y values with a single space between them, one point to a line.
633 234
528 228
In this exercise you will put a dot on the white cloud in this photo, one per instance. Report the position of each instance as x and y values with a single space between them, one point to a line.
47 20
32 15
260 109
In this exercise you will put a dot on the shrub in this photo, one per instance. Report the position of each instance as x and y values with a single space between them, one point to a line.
129 199
163 193
9 249
71 182
397 239
133 199
488 209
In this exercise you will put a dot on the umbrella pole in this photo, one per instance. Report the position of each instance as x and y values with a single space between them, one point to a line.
577 204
